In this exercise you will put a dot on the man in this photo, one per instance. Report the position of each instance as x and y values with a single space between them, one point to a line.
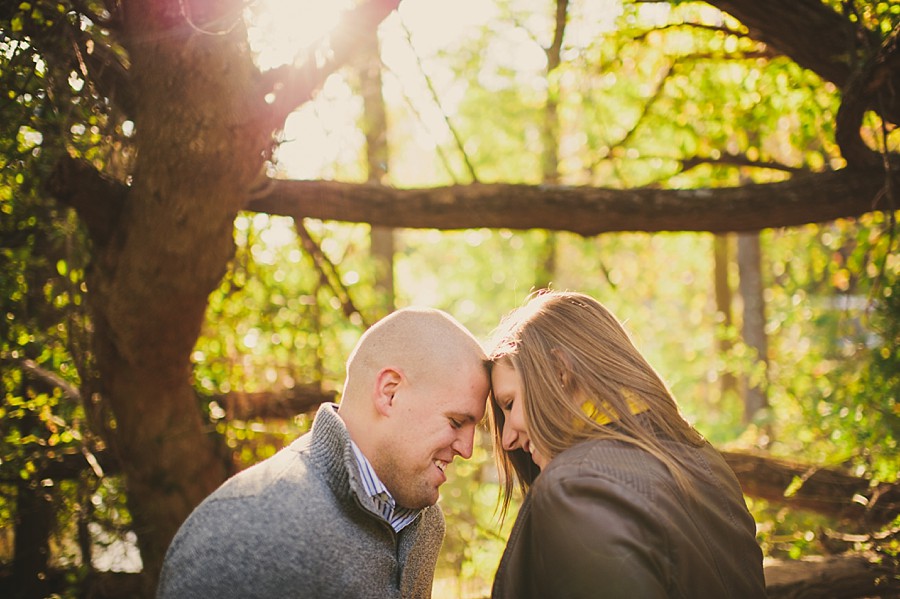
347 510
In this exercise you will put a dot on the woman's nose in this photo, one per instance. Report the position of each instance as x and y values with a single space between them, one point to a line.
510 438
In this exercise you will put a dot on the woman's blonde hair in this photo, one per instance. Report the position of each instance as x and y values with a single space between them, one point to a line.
582 378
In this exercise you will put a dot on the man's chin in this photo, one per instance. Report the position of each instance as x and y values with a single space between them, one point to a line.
422 501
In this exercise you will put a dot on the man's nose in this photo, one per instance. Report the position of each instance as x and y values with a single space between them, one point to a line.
465 443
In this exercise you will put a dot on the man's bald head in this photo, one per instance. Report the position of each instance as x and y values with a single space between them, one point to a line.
422 342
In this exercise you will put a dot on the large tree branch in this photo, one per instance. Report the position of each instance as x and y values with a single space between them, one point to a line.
836 577
97 199
283 404
876 84
799 29
110 75
816 37
583 210
292 86
856 501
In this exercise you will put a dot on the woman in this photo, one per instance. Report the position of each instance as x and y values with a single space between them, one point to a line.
623 498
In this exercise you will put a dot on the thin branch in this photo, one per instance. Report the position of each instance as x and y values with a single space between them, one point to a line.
114 8
328 273
700 26
72 393
434 96
657 93
728 56
442 155
739 160
666 72
103 70
617 147
518 24
111 21
554 52
52 379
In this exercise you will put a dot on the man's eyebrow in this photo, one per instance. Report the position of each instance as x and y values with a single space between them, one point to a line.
464 416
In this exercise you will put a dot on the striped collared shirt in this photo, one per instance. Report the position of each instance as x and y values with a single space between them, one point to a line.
398 517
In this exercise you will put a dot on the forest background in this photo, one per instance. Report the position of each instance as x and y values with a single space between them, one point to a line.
204 204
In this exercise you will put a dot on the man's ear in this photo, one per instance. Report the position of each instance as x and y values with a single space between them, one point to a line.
386 383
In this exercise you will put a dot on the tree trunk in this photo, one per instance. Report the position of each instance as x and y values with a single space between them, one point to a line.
35 518
203 131
753 328
199 150
721 271
545 269
381 246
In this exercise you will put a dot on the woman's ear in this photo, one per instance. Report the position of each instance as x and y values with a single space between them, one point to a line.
386 383
563 366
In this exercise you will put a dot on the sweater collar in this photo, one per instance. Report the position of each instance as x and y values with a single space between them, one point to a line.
331 453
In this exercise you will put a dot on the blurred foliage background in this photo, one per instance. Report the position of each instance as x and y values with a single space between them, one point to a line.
646 94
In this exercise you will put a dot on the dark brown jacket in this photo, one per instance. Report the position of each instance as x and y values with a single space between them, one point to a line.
607 520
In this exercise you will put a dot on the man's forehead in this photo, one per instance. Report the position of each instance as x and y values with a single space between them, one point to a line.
473 407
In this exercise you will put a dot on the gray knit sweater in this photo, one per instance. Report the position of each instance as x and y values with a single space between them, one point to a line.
299 524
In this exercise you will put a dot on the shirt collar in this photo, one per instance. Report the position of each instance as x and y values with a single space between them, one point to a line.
397 516
371 483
